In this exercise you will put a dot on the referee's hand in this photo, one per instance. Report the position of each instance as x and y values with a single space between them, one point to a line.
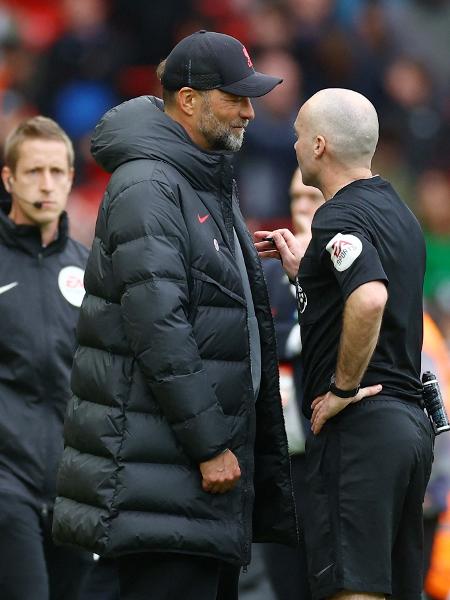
327 406
285 246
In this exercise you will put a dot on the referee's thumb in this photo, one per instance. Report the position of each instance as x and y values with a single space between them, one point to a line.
278 239
283 245
371 390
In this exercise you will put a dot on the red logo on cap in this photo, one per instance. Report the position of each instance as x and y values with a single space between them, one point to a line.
247 56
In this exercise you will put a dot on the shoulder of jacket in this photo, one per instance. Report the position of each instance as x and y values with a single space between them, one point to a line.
139 171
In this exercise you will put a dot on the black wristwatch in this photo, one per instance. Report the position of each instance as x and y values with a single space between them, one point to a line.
342 393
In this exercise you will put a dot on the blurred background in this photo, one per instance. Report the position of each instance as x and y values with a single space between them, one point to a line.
74 59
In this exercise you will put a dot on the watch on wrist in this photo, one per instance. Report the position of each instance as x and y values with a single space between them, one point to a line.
342 393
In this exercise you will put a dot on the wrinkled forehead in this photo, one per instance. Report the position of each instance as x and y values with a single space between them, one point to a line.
43 152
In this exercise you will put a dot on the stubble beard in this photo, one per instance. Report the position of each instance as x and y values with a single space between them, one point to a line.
219 135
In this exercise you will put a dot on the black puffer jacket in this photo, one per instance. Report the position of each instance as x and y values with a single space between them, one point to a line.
40 293
162 377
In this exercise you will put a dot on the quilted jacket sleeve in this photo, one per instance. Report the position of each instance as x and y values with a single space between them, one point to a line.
149 245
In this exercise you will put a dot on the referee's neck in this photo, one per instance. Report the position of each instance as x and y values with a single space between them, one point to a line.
339 180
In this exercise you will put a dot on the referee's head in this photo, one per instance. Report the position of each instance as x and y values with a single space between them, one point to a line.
337 132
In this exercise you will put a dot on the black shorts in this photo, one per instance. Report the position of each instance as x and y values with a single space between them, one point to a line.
366 477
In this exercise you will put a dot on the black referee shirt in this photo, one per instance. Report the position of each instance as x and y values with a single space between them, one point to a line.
364 233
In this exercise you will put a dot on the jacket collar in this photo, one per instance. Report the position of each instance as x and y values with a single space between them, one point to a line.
28 237
139 128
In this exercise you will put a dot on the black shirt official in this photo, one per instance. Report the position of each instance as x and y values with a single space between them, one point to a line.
363 234
359 290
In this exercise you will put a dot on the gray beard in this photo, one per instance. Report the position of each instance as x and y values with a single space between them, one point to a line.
218 135
227 140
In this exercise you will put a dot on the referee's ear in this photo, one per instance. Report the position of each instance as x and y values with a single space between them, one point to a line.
319 146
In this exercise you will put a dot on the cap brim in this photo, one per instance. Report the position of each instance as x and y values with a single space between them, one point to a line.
253 86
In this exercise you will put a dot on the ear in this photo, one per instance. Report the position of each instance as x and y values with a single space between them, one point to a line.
71 175
319 146
188 100
7 178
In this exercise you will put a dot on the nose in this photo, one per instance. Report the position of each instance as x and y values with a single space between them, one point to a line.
47 183
247 111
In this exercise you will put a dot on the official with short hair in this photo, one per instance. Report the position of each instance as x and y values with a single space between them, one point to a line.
41 290
359 290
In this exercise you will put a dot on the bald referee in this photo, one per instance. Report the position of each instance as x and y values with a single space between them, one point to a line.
359 291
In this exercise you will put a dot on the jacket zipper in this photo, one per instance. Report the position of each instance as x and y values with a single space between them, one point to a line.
250 409
44 364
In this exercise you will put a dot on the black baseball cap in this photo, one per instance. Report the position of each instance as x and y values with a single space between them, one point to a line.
207 60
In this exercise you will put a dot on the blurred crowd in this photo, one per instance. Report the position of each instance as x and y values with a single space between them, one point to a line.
73 60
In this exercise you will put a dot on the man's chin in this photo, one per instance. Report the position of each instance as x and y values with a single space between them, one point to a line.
229 142
235 142
47 216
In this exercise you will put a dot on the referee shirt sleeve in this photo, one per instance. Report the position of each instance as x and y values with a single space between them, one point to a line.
345 245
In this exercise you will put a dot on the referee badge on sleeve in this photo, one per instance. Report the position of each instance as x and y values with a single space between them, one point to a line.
344 249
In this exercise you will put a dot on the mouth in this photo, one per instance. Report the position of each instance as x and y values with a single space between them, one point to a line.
45 203
240 125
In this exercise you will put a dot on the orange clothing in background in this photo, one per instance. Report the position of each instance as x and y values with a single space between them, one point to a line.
435 352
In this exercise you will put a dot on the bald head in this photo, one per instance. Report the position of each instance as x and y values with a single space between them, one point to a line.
346 120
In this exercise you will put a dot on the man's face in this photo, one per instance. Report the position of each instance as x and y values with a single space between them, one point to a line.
43 175
222 120
304 149
305 200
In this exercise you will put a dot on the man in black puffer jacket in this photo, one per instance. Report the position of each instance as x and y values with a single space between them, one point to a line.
176 454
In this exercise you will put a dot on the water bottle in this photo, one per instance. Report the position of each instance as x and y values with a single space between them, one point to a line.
434 404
